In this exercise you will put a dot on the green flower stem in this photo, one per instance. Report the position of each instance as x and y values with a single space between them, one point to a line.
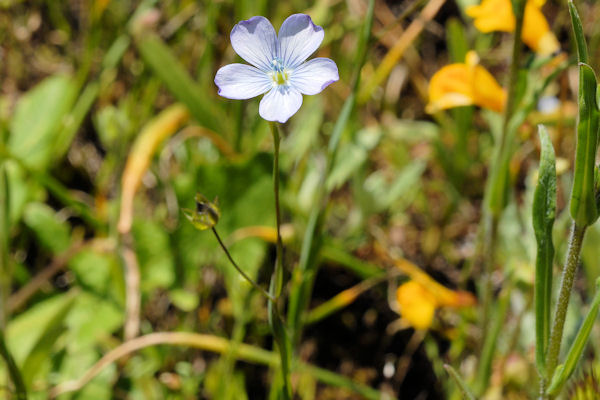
13 370
564 295
241 271
278 326
278 272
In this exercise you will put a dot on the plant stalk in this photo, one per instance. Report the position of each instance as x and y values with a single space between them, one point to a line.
278 326
238 269
566 286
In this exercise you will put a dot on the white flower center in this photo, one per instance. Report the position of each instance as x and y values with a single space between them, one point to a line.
279 73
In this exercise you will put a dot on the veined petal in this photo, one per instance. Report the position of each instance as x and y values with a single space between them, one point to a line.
255 41
280 104
241 81
314 76
299 37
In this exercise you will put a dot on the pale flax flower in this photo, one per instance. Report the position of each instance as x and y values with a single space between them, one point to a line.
278 65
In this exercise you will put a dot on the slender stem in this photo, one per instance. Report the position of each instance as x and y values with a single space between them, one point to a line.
278 272
566 285
13 370
238 269
277 324
488 269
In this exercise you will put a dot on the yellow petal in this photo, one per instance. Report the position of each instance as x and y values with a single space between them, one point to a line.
497 15
460 84
493 15
417 304
487 93
536 31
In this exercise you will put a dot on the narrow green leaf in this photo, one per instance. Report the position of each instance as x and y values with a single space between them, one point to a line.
31 335
169 70
490 345
564 371
583 197
544 212
456 40
459 381
75 119
582 53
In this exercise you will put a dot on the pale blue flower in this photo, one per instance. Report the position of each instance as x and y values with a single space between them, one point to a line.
278 68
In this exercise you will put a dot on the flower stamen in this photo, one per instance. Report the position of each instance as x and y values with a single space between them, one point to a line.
279 75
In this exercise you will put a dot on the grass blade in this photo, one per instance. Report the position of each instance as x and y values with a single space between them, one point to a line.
544 212
459 381
157 55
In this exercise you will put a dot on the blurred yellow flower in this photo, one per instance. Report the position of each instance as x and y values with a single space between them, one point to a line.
418 300
497 15
417 304
465 84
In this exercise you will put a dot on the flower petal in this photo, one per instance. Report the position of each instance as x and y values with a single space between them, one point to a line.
314 76
241 81
255 41
280 104
536 31
299 37
492 15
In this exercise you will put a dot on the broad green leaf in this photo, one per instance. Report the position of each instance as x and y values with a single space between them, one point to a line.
169 70
544 212
583 196
37 120
31 335
92 318
157 266
21 190
564 371
185 300
94 271
52 233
